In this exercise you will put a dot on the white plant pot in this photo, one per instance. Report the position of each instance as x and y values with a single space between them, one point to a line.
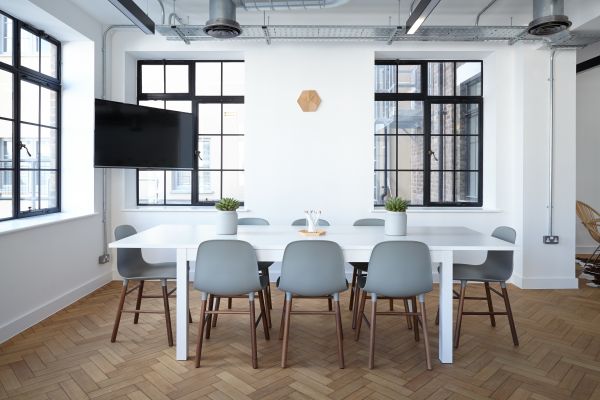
395 223
227 222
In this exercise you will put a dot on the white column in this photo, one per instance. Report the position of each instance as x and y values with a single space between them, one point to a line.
182 305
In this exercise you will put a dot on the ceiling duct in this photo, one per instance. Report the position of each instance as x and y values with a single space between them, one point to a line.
282 5
548 18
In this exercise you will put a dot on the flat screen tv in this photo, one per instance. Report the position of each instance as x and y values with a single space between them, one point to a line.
131 136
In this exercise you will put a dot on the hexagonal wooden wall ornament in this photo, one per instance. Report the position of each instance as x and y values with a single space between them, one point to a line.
309 100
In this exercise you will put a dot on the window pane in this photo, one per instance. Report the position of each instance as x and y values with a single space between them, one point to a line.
48 146
385 117
177 77
385 186
233 79
49 107
208 79
6 144
6 194
410 152
385 152
442 119
233 185
410 187
385 78
233 152
30 50
49 58
209 119
6 93
30 102
467 187
409 79
467 152
442 153
233 119
151 187
467 119
6 40
29 153
441 79
153 104
30 190
209 186
179 187
181 106
468 79
153 78
210 152
442 187
48 192
410 117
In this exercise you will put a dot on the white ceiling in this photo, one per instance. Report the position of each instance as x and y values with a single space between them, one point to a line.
448 12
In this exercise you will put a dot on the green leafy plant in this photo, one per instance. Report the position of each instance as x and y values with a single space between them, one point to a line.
227 204
396 204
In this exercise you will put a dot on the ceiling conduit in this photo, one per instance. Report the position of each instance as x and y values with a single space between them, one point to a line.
282 5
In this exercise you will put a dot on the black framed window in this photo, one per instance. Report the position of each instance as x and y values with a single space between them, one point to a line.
429 132
29 120
213 91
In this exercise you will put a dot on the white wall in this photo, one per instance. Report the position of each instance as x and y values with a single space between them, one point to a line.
283 177
45 268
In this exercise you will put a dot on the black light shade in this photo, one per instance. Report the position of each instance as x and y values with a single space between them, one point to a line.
135 15
420 14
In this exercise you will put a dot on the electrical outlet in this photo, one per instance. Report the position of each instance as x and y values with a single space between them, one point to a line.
104 258
550 239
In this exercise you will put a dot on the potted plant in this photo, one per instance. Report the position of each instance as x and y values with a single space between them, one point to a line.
227 217
395 220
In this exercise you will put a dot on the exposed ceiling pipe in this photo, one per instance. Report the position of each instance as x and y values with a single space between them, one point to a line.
548 18
491 3
279 5
551 238
162 10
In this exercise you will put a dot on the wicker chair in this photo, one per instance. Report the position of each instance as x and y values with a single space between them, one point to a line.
590 218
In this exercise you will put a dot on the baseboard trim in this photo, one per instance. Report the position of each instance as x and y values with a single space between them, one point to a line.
545 283
20 324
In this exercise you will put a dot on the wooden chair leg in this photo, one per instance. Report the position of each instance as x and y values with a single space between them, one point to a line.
415 319
352 286
119 312
201 324
372 334
356 306
286 333
165 294
263 313
511 320
425 334
330 304
340 337
190 316
408 318
359 315
391 304
282 324
490 304
253 333
269 299
268 310
437 316
211 301
138 302
215 316
459 314
229 303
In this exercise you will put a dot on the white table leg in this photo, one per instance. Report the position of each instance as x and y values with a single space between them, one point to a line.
446 279
182 306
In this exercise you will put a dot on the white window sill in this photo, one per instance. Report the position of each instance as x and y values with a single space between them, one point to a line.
183 209
22 224
445 210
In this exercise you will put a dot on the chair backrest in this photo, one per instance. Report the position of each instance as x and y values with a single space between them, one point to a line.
129 261
252 221
400 269
302 222
313 268
369 222
502 261
226 267
590 218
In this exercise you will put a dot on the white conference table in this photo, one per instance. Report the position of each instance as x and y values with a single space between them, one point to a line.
357 242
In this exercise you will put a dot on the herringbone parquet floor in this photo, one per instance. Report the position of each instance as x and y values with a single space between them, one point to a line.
69 356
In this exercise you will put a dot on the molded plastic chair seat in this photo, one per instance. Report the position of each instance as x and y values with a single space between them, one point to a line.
476 273
147 271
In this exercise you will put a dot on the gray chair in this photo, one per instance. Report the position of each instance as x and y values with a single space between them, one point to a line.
228 268
397 270
497 268
263 267
312 269
132 266
302 222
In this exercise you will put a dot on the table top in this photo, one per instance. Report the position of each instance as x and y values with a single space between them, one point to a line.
276 237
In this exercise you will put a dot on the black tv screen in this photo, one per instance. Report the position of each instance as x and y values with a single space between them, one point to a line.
131 136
